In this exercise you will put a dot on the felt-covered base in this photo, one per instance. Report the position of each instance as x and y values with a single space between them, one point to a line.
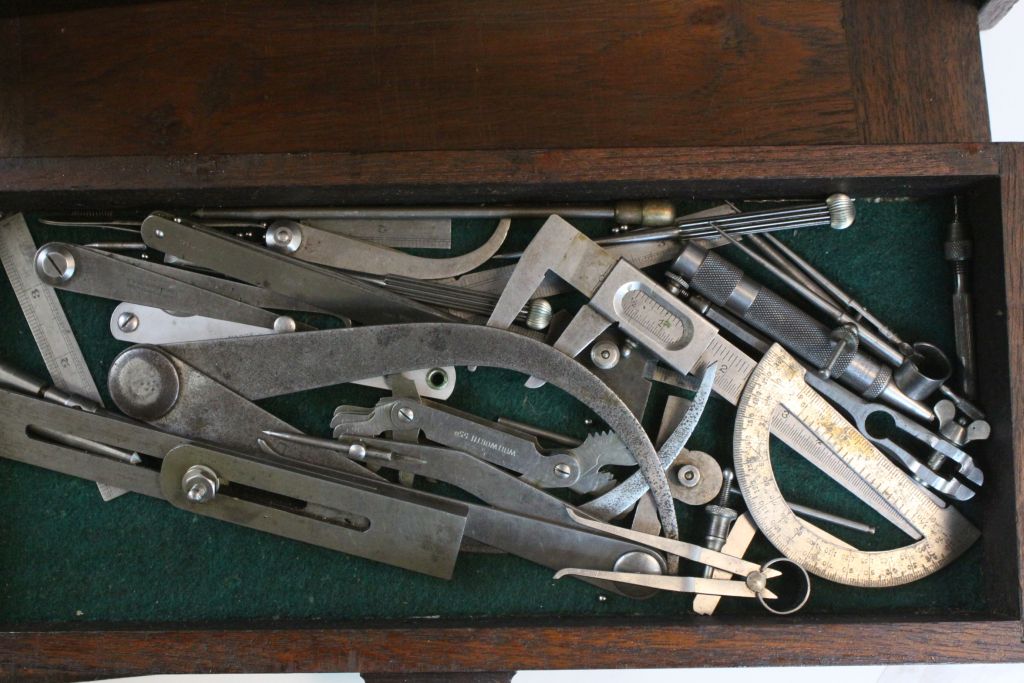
65 556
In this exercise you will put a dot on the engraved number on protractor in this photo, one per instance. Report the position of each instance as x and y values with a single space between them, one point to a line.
945 533
640 308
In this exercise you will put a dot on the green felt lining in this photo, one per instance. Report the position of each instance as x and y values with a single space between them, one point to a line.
67 557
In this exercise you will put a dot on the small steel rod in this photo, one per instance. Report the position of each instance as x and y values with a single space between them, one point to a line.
408 212
769 251
880 346
836 292
822 516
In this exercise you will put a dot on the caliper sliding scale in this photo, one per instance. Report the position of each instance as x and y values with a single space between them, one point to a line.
778 382
620 293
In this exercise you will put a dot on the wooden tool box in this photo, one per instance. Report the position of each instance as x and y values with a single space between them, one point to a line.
185 103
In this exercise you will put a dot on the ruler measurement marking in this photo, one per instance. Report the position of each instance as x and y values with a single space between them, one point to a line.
46 319
734 371
944 532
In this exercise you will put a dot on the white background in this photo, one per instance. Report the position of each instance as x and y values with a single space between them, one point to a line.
1002 50
1003 53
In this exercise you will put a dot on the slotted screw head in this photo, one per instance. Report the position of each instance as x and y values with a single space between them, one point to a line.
406 414
563 471
127 322
55 264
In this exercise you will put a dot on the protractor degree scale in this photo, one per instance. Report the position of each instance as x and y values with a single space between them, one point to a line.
945 533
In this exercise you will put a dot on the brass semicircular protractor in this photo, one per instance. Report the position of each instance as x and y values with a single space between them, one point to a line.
778 381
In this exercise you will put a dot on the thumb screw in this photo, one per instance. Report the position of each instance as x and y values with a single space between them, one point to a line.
720 517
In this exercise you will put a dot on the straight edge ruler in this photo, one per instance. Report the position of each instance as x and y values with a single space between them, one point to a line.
46 319
413 233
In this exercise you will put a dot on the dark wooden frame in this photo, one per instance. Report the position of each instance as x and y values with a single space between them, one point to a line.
257 76
993 176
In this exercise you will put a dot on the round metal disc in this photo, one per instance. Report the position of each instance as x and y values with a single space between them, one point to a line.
637 562
143 383
703 474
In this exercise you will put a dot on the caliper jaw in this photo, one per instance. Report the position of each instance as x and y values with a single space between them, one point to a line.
620 293
558 248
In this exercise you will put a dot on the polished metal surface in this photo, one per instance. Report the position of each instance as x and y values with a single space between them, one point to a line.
55 263
144 383
727 286
689 551
893 436
200 484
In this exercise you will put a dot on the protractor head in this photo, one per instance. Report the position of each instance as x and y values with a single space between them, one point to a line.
776 400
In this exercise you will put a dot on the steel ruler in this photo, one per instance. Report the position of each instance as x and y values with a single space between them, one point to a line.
778 381
46 319
422 233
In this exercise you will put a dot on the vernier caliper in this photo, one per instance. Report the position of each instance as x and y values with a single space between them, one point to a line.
621 294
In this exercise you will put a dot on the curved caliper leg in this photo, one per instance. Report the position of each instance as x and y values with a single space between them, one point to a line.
619 294
253 367
326 248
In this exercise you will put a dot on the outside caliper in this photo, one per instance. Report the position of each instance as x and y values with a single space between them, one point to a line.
576 468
